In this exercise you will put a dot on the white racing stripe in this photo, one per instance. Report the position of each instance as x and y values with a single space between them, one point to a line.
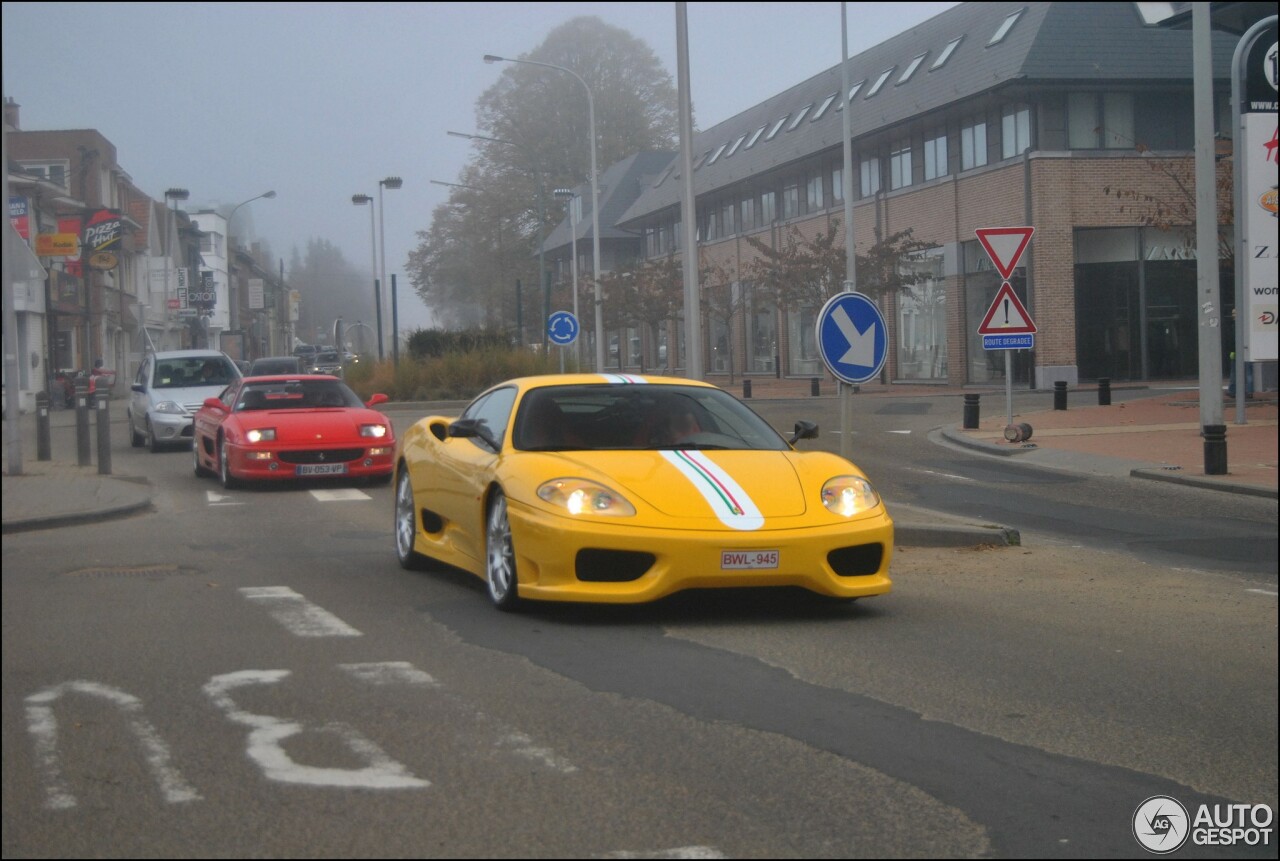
298 615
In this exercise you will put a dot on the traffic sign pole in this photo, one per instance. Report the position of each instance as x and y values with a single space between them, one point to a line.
853 341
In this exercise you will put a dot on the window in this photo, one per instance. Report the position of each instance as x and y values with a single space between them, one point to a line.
1100 121
900 165
748 213
799 117
973 145
1005 28
884 76
773 131
735 146
802 341
870 176
719 150
813 193
911 68
755 136
922 318
762 330
945 55
1016 131
728 225
697 162
837 184
791 199
666 173
768 207
822 109
50 171
853 91
935 157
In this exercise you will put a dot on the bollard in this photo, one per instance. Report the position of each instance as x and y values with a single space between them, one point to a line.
746 389
1060 395
970 412
44 447
1215 449
82 423
104 432
813 387
1104 391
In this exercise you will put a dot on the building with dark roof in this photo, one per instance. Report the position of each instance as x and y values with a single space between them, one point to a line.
1073 118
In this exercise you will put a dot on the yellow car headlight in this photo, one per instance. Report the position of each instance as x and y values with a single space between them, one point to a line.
848 495
579 496
261 435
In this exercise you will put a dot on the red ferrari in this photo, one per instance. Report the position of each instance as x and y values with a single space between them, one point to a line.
291 427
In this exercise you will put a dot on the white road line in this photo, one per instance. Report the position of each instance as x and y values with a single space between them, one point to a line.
298 615
216 498
386 673
1263 592
943 474
898 431
345 494
679 852
522 745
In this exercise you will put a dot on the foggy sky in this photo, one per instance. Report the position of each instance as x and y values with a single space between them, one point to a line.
319 101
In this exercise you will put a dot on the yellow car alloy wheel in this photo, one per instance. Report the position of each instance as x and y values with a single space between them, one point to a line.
500 567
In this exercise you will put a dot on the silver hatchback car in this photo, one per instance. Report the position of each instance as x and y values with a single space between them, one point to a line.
168 391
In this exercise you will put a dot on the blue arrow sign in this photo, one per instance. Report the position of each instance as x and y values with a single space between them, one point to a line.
852 337
562 328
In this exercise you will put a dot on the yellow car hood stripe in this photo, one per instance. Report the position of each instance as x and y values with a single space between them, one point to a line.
726 497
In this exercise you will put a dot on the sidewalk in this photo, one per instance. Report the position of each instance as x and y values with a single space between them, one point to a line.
1156 436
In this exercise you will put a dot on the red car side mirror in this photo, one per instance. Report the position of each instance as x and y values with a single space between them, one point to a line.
215 404
377 399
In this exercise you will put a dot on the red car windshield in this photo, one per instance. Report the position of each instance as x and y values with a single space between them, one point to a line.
297 395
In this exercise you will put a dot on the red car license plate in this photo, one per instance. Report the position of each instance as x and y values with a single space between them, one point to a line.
748 560
322 469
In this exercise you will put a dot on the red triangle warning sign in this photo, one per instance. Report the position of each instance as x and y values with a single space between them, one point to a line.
1006 316
1004 245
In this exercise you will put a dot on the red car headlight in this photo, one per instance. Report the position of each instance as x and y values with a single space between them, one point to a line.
261 435
375 431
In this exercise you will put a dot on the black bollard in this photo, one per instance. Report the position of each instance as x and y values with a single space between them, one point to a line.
1215 449
82 423
746 389
1060 395
970 411
44 447
103 417
813 387
1104 391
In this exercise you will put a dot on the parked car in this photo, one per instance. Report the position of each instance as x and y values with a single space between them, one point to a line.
626 489
271 365
288 427
169 389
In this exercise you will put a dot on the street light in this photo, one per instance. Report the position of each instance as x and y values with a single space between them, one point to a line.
361 200
542 269
575 209
233 312
174 194
392 182
595 196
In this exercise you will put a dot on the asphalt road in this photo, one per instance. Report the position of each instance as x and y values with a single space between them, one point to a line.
251 673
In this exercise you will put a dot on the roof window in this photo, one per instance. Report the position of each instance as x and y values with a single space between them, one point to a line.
719 150
826 103
799 117
946 54
1005 28
853 91
735 146
884 76
755 136
774 131
911 68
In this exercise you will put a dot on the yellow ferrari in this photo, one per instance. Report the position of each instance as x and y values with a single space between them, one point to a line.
622 489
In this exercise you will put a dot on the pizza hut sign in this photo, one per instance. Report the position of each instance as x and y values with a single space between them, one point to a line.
103 232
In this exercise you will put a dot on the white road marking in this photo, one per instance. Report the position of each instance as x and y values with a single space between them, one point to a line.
298 615
942 474
1263 592
899 431
267 733
522 745
679 852
343 494
390 673
43 727
216 498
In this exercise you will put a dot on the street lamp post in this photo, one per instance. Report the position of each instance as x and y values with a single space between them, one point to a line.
574 209
233 312
595 196
392 182
361 200
174 194
542 269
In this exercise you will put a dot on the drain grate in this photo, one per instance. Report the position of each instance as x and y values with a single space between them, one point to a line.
132 571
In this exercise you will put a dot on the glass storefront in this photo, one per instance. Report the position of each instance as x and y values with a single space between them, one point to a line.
802 342
922 320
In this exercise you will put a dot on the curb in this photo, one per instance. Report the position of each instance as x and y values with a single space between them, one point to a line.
54 521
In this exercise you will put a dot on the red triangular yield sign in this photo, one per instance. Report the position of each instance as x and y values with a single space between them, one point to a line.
1004 246
1006 316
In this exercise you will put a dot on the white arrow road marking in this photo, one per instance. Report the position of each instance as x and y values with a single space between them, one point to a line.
216 498
297 614
341 495
862 345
